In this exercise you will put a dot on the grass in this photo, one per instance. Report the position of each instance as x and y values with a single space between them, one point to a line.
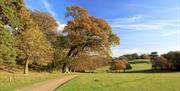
136 61
102 81
135 67
19 80
124 82
140 67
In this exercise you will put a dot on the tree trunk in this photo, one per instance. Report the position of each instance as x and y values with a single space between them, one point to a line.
124 70
26 66
65 68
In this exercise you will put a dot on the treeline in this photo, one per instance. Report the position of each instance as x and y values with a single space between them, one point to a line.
169 61
134 56
31 39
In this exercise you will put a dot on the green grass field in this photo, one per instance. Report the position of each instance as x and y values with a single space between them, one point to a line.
102 81
19 80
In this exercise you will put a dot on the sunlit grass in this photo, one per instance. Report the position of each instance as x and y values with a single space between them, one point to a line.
124 82
20 80
102 81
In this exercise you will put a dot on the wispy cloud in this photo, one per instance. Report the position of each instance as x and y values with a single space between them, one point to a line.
142 22
124 20
171 33
48 7
137 6
116 52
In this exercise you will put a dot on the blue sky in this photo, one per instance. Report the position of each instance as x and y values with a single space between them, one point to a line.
142 25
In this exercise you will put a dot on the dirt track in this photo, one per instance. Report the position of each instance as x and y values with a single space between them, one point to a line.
49 85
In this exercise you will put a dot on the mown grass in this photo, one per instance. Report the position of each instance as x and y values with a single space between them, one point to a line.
135 67
136 61
143 81
19 80
124 82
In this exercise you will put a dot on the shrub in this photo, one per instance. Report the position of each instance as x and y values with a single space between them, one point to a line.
85 62
161 63
118 65
174 58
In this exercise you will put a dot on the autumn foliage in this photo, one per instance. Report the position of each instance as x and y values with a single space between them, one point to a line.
119 64
88 63
169 61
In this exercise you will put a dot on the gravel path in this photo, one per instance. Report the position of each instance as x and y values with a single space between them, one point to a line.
49 85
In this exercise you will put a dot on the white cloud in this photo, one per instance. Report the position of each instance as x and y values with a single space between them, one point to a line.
61 26
137 6
126 19
48 7
150 25
142 22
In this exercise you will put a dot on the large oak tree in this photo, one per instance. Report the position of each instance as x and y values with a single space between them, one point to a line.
85 33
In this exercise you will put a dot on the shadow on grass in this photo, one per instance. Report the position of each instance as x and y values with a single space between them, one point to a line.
139 71
152 71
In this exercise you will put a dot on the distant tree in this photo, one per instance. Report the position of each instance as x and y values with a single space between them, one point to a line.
174 58
161 63
131 56
118 65
153 55
144 56
86 33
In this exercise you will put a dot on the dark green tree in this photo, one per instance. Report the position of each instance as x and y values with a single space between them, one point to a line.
7 49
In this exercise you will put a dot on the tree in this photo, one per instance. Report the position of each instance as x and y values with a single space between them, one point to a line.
161 63
8 21
145 56
32 46
31 43
86 33
7 49
153 55
86 62
46 23
131 56
119 64
174 58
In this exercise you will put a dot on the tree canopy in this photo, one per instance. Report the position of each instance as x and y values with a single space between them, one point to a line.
85 33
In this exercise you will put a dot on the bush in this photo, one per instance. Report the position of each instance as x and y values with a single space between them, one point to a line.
118 65
174 58
161 63
87 63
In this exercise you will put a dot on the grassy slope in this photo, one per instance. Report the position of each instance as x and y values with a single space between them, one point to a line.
125 81
20 80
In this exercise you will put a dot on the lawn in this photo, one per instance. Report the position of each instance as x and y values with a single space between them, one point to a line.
124 82
19 80
102 81
135 67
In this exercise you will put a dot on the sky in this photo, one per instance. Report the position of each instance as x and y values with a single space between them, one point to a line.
143 26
